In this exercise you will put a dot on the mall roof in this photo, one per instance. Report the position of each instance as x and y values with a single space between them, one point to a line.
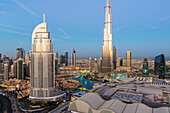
94 103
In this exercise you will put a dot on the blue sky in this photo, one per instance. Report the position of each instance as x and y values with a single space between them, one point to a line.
140 26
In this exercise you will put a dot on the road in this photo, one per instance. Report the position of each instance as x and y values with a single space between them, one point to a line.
61 108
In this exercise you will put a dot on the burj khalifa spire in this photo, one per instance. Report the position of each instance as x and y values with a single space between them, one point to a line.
107 52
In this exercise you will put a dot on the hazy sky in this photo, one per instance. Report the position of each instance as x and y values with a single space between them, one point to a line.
140 26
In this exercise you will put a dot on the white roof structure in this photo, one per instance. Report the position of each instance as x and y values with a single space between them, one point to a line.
93 103
149 90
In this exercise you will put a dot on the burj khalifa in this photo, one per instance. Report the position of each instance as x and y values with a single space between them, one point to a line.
107 52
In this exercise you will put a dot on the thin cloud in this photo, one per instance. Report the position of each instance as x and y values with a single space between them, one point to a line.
119 28
25 8
4 12
66 36
165 18
14 32
9 26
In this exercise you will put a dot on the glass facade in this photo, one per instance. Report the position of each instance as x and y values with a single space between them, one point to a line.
145 66
160 66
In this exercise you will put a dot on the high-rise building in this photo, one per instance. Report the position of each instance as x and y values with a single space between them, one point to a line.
62 59
128 58
160 66
20 69
0 58
66 58
120 61
15 69
96 66
114 58
12 70
145 66
90 64
20 54
100 64
42 66
56 54
28 70
107 53
56 66
6 72
73 58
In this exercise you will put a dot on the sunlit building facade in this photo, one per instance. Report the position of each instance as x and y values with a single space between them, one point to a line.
42 65
128 59
107 50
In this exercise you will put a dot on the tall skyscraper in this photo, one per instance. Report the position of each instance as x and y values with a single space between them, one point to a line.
107 53
56 54
114 58
0 57
128 58
73 58
66 58
145 66
56 66
120 61
15 69
20 69
62 59
6 72
100 64
160 66
20 53
90 64
42 65
96 66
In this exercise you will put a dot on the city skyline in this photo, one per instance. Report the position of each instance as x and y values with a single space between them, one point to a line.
84 26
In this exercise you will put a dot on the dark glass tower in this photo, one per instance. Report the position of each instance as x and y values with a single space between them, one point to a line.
66 58
73 58
20 53
145 66
114 58
160 66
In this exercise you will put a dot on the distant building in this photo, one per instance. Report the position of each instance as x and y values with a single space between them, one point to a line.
62 59
20 54
96 66
20 69
160 66
15 69
90 64
73 58
128 58
0 58
6 72
66 58
120 61
100 64
56 66
114 58
145 66
56 54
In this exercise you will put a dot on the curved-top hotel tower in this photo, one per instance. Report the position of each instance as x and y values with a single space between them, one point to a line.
107 52
42 65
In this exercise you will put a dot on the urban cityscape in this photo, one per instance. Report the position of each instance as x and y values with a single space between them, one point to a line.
44 80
